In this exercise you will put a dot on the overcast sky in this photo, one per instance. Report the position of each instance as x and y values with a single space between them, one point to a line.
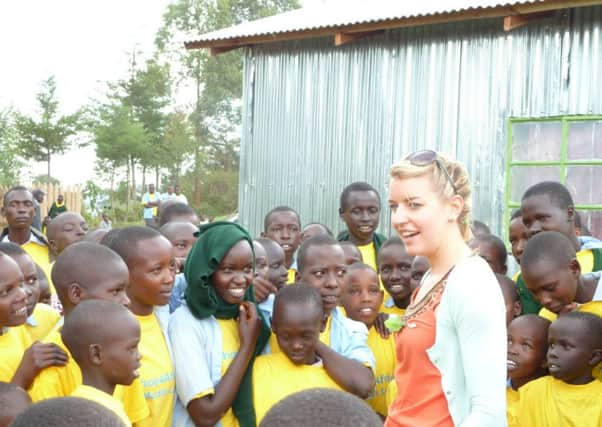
83 44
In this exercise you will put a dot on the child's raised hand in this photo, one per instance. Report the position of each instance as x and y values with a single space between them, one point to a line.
248 324
37 357
263 288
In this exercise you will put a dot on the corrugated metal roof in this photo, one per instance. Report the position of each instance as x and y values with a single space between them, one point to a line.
337 14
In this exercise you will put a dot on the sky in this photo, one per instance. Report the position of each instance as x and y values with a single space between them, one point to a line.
84 44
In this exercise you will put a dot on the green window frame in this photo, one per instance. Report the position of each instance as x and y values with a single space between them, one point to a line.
557 162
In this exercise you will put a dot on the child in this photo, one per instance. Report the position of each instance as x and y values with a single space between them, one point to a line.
511 300
343 342
219 329
41 318
395 268
362 297
44 286
102 338
64 230
360 210
87 271
352 253
105 223
13 401
297 322
491 249
313 229
420 265
277 272
264 289
517 235
479 228
527 347
150 260
548 206
177 211
282 224
570 395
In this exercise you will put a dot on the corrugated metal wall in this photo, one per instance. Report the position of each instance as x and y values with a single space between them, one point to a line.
317 117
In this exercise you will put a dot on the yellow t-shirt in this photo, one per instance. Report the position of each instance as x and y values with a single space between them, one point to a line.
105 399
13 343
291 276
230 347
156 373
384 354
275 377
40 255
45 317
391 393
60 381
368 255
393 309
511 405
550 402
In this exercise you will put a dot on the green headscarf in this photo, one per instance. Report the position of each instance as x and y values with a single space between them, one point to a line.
214 241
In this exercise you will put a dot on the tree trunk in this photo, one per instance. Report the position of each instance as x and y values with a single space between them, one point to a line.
143 178
133 168
48 164
157 180
127 186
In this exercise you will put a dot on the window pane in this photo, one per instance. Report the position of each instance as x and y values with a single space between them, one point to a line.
593 222
523 177
536 141
584 183
585 140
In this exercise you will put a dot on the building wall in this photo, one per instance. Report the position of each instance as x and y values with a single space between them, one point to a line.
317 117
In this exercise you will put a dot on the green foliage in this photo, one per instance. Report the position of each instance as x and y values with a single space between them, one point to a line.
10 163
177 143
39 139
219 192
45 179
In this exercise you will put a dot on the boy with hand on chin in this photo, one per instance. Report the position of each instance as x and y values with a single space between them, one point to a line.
362 297
103 339
570 395
296 322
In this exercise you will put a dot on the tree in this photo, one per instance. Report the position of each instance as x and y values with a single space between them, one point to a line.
50 134
177 143
217 81
10 163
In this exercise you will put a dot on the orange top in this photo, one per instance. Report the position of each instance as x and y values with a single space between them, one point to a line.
420 399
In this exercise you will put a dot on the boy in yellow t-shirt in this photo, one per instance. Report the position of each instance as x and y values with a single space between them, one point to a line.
571 395
395 270
527 348
152 268
296 321
103 338
64 230
41 318
361 297
87 271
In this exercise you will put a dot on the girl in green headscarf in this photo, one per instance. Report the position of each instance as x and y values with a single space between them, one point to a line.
217 333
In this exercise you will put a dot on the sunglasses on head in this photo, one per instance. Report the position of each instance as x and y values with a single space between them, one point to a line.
427 157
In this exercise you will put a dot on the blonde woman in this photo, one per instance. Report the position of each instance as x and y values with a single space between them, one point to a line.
451 351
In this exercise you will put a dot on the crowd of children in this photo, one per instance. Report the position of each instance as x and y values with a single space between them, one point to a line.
201 326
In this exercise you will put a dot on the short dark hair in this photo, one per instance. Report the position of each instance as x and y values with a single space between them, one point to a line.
126 241
67 412
556 192
359 266
497 243
549 245
480 225
321 407
13 189
355 186
592 325
319 240
508 287
319 224
299 293
7 407
516 214
172 210
392 241
111 235
11 249
266 219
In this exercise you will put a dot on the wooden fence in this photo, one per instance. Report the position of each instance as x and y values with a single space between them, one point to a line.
72 194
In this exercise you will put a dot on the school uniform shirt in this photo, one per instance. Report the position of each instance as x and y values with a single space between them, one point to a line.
41 321
104 399
292 272
157 372
60 381
203 349
345 336
547 402
384 354
269 387
388 306
13 343
512 401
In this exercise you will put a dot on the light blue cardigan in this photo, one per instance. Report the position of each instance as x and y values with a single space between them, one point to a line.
470 345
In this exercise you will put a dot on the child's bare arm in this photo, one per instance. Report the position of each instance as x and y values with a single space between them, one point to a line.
37 357
351 375
208 410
